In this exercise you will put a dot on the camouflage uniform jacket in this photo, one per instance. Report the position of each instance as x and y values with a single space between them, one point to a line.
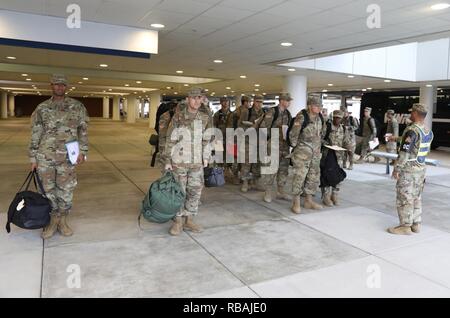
312 135
220 120
269 121
53 125
409 150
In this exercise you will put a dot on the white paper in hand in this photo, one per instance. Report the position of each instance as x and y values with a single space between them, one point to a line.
73 150
374 143
285 129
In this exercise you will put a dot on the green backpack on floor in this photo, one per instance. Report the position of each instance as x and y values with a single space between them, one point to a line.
163 200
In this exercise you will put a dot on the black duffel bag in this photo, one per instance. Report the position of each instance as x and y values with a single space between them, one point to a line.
30 210
153 140
214 177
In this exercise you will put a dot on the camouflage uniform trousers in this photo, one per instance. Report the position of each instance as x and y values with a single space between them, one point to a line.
365 146
59 180
283 168
248 166
190 177
350 145
409 196
306 171
391 147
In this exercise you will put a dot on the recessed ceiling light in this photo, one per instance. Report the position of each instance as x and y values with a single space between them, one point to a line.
429 85
11 57
103 65
264 94
28 79
218 61
286 44
85 78
243 76
291 69
256 89
351 76
330 85
110 89
186 85
364 90
233 92
387 81
206 90
325 91
180 72
168 87
80 82
157 25
25 75
138 82
257 85
440 6
127 85
369 88
176 93
227 87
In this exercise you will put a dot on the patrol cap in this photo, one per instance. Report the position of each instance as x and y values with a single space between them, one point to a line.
245 98
196 91
338 114
259 98
285 96
368 109
224 99
59 79
421 108
314 100
391 111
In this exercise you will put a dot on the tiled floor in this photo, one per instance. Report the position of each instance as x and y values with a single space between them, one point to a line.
248 249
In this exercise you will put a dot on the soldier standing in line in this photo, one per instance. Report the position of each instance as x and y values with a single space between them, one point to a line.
188 171
351 125
247 120
306 137
55 123
392 130
279 118
410 171
369 133
220 122
335 136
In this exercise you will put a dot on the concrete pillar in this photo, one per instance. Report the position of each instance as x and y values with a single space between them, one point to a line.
155 101
132 106
143 108
125 105
116 108
428 96
4 105
297 86
12 105
106 107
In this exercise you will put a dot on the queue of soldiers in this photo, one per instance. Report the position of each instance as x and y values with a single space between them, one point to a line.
62 120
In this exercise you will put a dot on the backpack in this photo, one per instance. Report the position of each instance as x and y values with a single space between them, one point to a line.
275 117
330 172
214 177
154 138
29 210
163 200
305 123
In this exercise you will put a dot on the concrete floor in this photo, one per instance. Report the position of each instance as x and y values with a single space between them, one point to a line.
248 249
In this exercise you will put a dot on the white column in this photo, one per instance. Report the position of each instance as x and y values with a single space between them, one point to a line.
428 96
4 105
132 106
155 101
11 105
125 105
142 108
106 107
116 108
297 86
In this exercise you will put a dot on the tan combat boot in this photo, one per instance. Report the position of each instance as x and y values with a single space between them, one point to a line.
191 226
296 205
244 187
326 199
256 185
51 228
400 230
416 227
310 204
283 195
334 198
63 227
177 226
268 195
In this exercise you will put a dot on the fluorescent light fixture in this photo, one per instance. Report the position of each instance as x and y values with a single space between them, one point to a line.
11 57
180 72
286 44
157 25
440 6
103 65
218 61
243 76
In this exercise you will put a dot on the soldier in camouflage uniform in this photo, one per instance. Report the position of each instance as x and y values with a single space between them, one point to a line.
278 118
306 155
369 133
189 171
393 130
256 183
220 122
351 125
55 123
410 171
247 120
335 136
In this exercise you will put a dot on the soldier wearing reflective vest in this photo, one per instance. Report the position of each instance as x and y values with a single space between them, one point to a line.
410 171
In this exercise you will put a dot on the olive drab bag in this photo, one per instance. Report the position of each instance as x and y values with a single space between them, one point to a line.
30 210
163 200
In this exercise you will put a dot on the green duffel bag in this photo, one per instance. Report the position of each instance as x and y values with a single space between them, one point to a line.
163 200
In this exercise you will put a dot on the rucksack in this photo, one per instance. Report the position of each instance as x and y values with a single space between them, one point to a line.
163 200
305 123
154 138
214 177
275 117
29 210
